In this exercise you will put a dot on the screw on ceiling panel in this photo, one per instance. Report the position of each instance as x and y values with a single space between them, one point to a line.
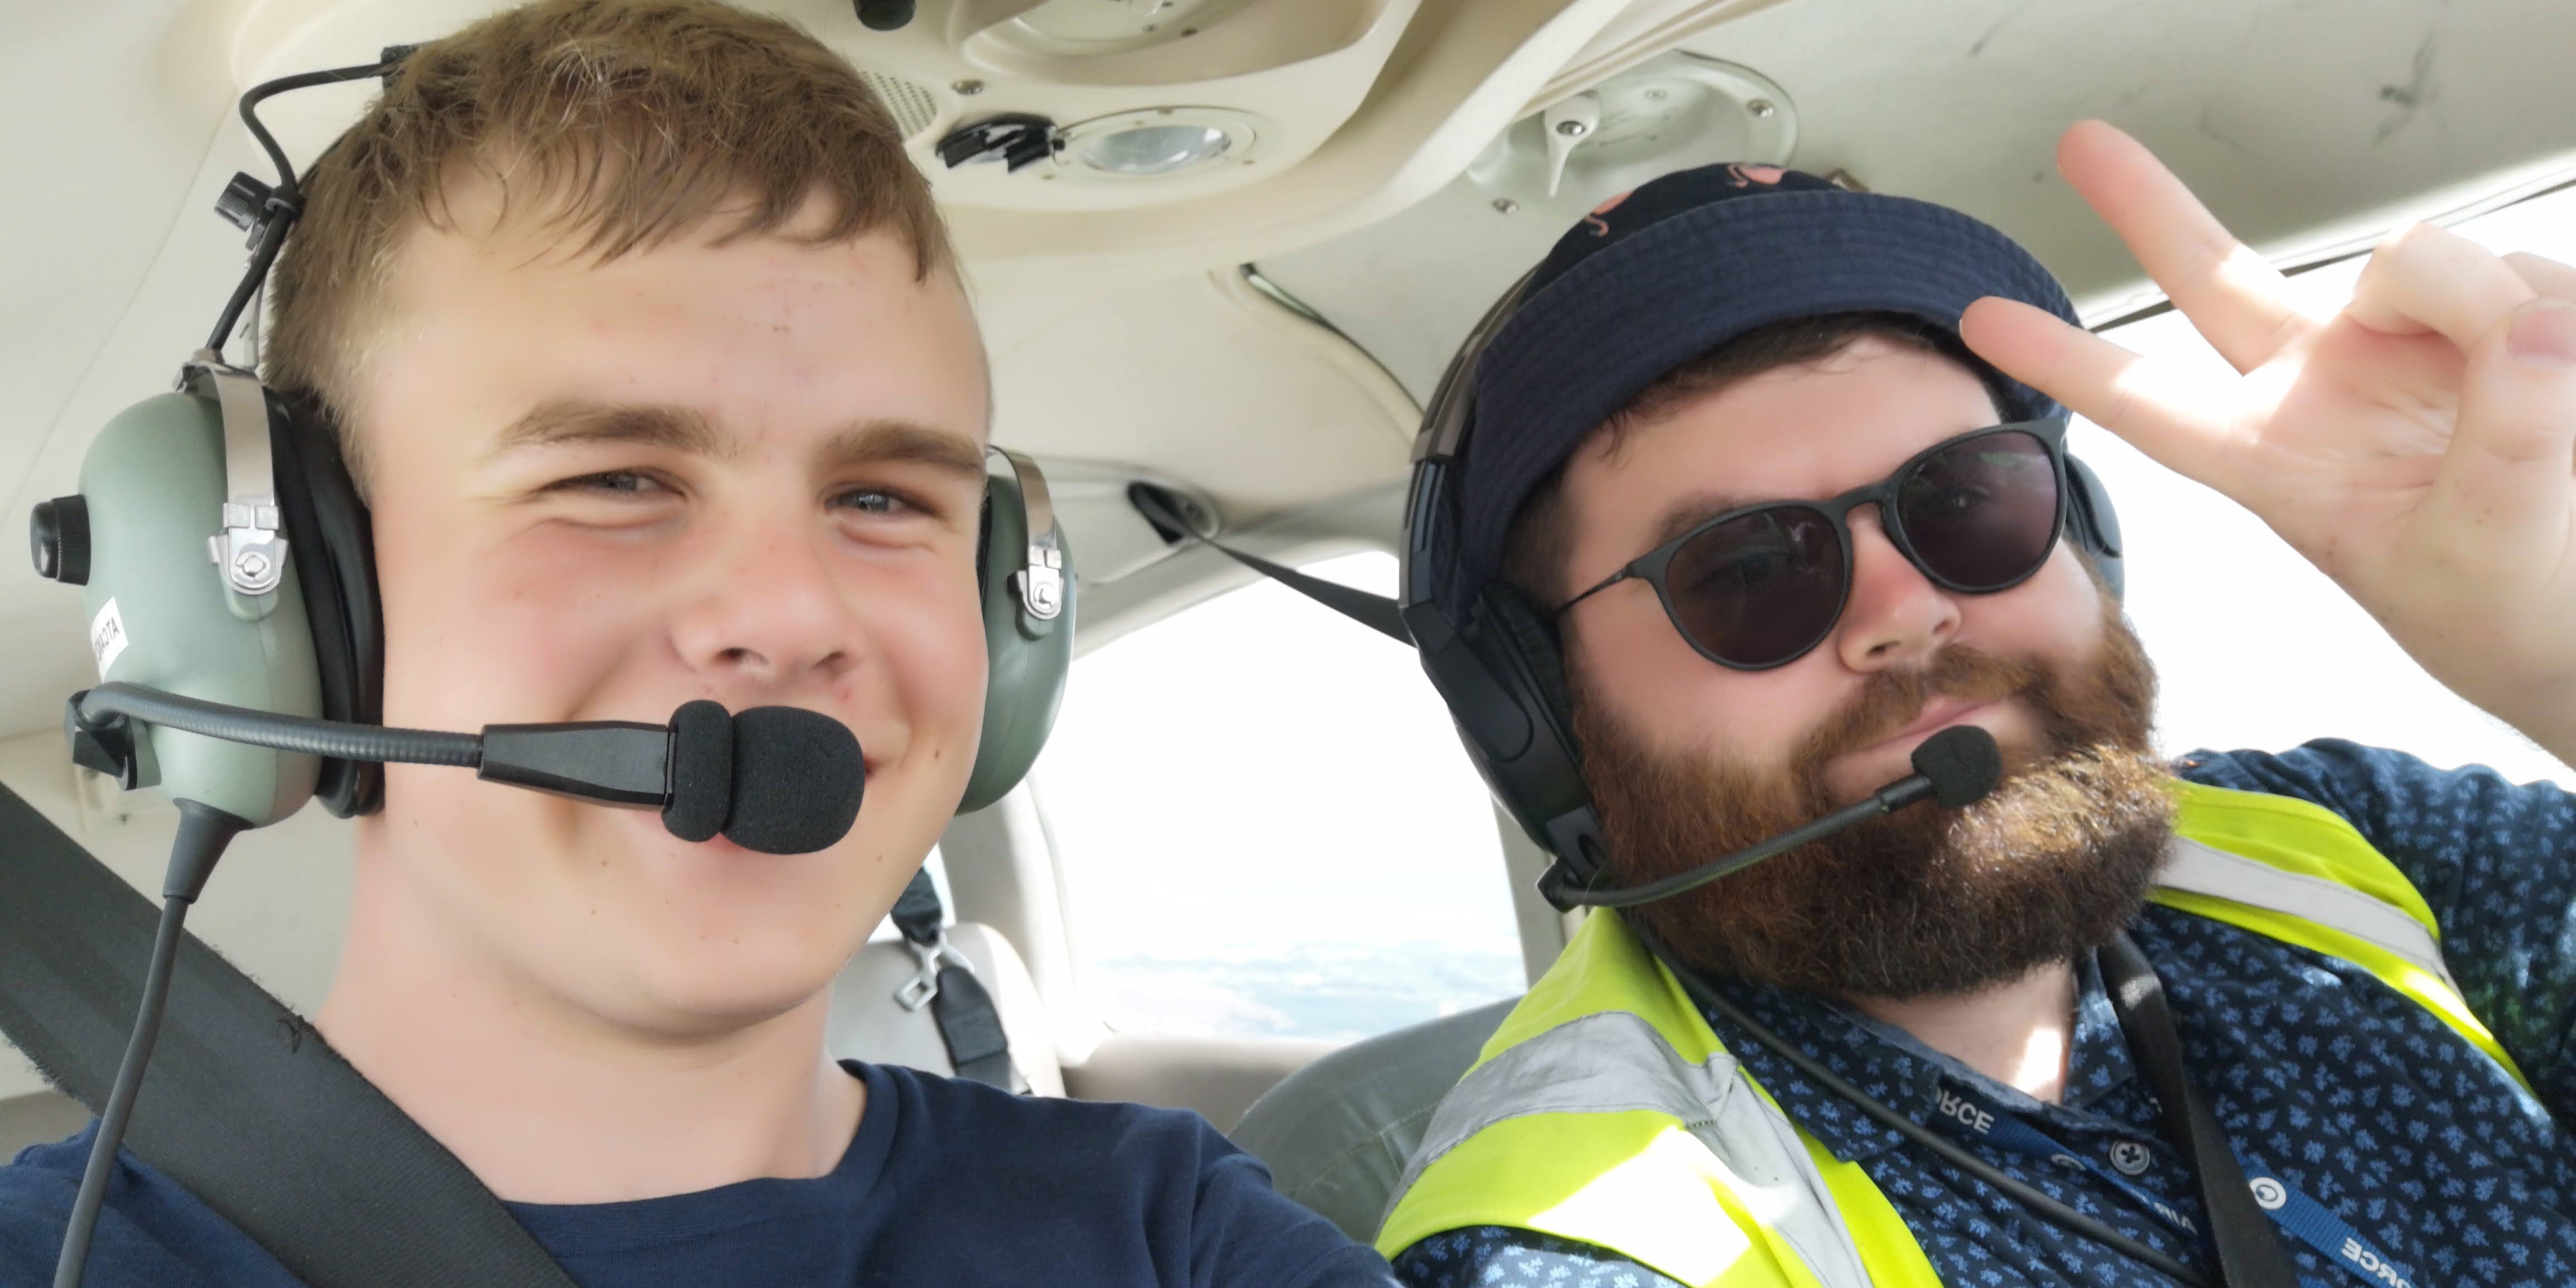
1573 129
1762 108
1506 205
968 88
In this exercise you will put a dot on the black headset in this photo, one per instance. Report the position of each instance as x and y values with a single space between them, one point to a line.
287 523
1499 666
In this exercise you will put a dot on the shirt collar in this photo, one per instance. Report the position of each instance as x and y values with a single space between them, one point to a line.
2100 1062
1895 1067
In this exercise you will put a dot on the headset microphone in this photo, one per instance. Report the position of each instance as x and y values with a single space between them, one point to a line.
779 780
1956 767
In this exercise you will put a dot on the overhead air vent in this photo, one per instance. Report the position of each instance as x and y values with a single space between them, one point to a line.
913 106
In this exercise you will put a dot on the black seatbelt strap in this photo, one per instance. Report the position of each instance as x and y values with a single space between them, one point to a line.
970 1026
1376 612
245 1104
2250 1254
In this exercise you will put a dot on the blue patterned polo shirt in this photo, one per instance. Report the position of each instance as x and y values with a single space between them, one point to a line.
2316 1070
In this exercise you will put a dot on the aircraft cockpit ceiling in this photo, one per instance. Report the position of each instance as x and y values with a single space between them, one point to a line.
1381 167
1205 133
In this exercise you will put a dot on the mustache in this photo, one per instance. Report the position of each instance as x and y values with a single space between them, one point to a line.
1891 700
1917 904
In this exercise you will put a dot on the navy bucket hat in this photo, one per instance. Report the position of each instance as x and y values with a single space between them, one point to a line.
1658 276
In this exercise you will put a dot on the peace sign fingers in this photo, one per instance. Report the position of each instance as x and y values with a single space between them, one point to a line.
2177 420
2241 304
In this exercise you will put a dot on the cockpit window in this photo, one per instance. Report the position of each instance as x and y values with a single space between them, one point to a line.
1268 828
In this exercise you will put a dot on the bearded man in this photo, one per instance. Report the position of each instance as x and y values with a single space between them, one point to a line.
1758 491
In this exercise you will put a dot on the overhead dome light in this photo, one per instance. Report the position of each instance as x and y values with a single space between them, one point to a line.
1158 143
1151 150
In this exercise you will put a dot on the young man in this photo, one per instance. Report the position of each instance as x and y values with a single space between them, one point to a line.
2388 1102
651 358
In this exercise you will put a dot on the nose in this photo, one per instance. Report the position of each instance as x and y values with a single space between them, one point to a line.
763 611
1896 618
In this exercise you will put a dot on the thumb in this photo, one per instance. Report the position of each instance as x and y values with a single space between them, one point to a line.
2509 475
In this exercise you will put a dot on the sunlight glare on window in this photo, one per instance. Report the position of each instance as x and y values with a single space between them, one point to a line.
1267 826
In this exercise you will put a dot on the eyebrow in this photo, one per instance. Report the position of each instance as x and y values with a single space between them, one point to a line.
1690 512
883 440
685 429
578 420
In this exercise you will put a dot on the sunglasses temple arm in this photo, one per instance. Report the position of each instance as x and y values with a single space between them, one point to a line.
1624 574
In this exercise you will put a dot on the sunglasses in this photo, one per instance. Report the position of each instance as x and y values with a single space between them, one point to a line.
1758 586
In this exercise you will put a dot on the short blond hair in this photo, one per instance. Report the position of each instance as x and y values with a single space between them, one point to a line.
626 122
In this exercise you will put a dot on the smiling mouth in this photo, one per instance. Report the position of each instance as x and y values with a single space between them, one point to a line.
1938 713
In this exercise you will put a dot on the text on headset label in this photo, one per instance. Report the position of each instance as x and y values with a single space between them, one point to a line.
107 639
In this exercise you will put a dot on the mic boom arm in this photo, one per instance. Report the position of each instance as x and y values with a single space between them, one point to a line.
780 780
102 718
613 762
1956 766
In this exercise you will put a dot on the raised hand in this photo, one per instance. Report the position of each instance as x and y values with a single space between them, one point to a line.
2419 446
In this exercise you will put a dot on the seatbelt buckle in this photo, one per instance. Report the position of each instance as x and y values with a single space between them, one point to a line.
924 984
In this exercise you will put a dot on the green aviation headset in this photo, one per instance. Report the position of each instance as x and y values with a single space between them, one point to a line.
227 558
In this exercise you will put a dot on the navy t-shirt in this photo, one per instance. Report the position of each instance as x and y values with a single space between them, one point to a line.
947 1182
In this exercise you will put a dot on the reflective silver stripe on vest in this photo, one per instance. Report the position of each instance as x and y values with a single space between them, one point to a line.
1615 1061
2200 869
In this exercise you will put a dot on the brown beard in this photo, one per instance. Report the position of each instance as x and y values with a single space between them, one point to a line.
1924 902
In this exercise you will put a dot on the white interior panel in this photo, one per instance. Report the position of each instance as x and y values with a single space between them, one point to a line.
1183 374
2301 125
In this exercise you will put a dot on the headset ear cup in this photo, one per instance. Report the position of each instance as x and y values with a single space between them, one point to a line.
2094 525
331 538
1540 779
1533 643
154 483
1026 660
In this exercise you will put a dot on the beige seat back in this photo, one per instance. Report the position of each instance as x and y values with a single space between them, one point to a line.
1337 1133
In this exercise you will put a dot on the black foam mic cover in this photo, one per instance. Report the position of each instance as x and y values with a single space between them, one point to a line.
797 778
701 772
1963 763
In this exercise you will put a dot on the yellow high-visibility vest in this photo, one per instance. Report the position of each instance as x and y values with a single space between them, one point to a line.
1606 1110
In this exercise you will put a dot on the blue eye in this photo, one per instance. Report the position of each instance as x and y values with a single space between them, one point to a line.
618 483
871 501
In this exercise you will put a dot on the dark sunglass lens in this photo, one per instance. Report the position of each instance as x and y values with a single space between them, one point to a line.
1982 513
1761 588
